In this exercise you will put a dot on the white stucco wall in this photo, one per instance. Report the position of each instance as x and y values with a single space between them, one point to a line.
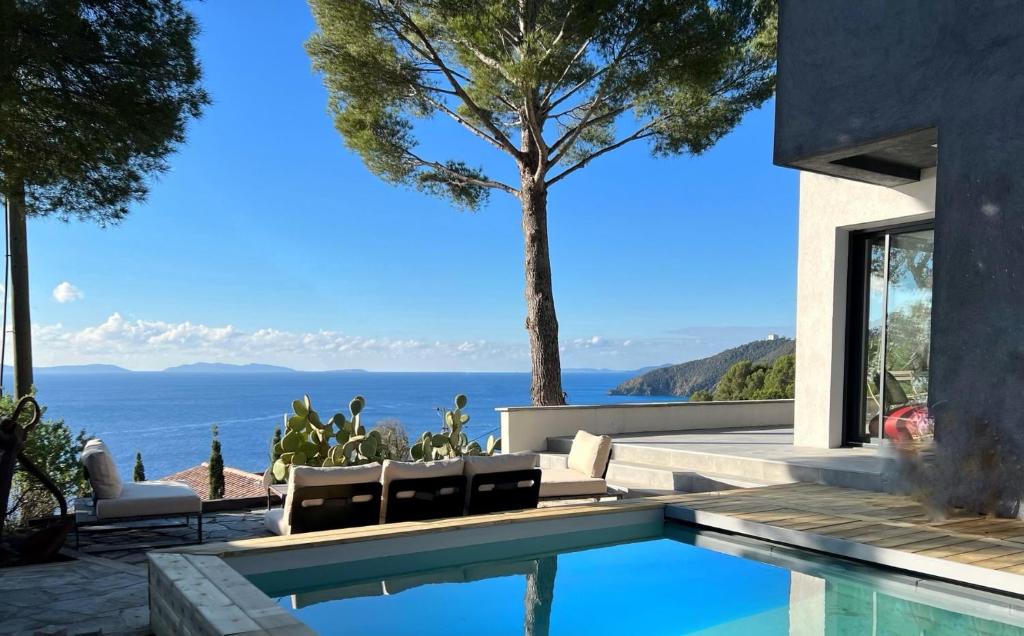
527 428
830 208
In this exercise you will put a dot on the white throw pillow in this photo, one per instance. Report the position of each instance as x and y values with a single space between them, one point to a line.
589 454
103 477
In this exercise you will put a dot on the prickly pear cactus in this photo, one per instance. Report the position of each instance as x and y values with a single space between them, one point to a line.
452 441
341 441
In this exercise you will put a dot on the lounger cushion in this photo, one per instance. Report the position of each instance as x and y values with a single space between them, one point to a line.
589 453
103 477
415 470
485 465
562 482
300 476
150 498
274 521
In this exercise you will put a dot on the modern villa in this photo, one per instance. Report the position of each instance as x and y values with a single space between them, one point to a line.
754 517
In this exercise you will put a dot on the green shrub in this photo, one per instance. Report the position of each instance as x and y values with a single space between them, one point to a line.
55 450
394 438
702 395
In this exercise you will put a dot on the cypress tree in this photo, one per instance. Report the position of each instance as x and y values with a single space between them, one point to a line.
275 445
139 472
216 468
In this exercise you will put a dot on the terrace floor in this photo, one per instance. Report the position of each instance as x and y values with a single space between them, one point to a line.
104 588
885 529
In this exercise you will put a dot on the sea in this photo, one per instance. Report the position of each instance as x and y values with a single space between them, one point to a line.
167 416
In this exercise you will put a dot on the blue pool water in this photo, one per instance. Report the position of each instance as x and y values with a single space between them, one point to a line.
660 584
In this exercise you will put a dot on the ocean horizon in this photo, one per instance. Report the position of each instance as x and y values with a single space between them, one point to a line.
167 416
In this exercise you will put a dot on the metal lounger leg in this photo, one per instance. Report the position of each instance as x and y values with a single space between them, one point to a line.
199 526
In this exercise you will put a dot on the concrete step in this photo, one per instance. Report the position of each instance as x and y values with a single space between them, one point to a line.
753 469
648 477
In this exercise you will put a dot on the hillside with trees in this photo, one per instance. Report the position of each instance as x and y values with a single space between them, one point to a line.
704 375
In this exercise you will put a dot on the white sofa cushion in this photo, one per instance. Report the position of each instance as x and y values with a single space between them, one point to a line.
589 453
300 476
484 464
150 498
103 477
563 482
415 470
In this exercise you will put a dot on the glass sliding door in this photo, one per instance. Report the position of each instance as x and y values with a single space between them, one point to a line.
889 335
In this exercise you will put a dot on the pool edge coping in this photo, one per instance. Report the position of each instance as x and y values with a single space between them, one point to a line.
193 590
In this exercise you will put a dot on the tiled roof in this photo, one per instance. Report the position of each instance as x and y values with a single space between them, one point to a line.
238 484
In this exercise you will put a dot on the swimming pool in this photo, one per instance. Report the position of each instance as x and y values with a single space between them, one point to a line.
640 578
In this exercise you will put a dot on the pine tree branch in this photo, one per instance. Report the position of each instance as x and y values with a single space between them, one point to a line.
441 106
435 58
640 133
460 177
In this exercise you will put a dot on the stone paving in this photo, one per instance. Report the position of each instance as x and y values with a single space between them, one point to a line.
103 589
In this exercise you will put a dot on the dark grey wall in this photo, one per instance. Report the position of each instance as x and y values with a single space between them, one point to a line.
855 71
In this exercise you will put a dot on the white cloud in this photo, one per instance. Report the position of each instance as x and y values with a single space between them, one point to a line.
67 293
155 344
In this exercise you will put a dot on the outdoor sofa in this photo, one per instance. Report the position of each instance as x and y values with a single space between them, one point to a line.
116 502
352 496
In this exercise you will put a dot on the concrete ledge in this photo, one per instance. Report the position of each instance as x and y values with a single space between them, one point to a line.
527 428
938 568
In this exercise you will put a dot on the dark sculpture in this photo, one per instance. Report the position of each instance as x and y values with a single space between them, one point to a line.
43 538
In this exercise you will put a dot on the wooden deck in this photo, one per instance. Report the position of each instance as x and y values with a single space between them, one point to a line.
879 528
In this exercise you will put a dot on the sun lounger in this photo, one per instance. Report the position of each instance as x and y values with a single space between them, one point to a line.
115 502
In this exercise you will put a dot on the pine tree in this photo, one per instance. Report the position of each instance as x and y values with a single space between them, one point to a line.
94 95
552 84
216 467
139 472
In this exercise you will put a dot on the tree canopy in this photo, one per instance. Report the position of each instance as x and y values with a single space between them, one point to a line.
94 94
573 80
747 381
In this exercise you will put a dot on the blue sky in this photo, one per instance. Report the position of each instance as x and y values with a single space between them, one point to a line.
268 241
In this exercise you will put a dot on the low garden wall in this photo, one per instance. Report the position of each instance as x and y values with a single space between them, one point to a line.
527 428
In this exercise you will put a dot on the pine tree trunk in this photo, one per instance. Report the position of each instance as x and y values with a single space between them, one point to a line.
540 595
541 322
21 317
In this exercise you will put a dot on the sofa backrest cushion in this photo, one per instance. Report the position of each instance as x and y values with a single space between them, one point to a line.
415 470
103 477
589 454
485 465
300 476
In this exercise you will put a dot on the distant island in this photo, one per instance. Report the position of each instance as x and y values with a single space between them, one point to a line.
222 367
75 369
702 375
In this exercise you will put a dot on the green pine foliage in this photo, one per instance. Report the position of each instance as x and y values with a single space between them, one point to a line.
94 95
139 471
748 381
702 395
216 467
